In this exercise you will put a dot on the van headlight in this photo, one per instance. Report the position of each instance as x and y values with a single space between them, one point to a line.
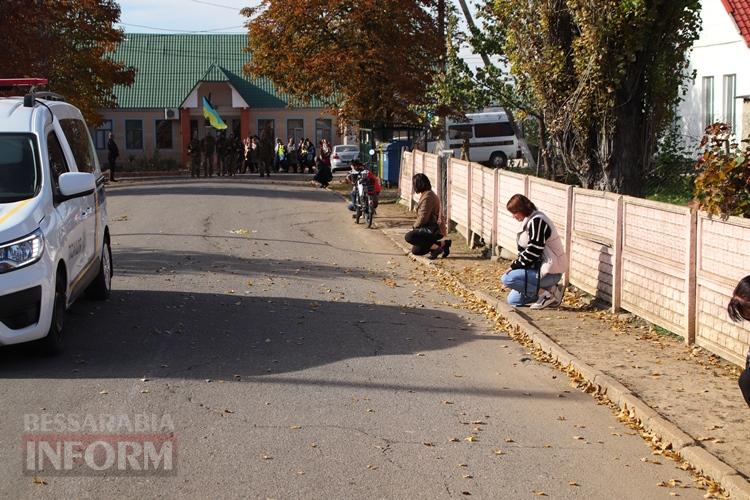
21 252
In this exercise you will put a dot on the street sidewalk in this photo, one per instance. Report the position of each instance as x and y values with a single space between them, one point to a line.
684 395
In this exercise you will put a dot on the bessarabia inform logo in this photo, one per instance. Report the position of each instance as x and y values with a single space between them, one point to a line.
105 444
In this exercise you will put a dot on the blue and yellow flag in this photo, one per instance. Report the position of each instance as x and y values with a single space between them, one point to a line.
210 114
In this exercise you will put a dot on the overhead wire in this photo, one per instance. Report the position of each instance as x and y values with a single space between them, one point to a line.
173 30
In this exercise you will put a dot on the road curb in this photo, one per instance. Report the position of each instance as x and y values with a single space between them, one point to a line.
668 433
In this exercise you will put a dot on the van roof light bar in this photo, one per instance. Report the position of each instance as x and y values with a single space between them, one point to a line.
29 100
22 82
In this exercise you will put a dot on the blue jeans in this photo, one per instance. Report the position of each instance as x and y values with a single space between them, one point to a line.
524 285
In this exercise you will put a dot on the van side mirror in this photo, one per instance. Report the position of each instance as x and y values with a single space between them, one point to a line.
75 184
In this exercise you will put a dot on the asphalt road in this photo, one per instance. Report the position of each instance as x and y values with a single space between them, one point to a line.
301 356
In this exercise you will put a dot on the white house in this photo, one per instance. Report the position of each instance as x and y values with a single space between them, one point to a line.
721 60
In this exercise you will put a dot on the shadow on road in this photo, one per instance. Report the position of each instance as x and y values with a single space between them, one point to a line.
223 337
170 335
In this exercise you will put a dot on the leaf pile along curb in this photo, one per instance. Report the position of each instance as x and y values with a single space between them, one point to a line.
666 439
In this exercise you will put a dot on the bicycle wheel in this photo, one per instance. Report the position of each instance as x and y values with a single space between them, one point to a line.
369 214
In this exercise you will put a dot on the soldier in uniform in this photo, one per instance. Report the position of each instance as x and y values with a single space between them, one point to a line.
265 153
195 150
239 154
209 146
221 154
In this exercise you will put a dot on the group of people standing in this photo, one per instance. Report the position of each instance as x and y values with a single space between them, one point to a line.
229 155
224 155
301 156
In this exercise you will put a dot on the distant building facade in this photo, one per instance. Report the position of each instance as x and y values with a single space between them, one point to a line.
721 61
162 110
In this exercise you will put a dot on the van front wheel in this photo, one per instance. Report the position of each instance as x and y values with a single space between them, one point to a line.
499 160
100 288
53 343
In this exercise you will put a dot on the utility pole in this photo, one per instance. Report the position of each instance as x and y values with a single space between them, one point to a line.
511 119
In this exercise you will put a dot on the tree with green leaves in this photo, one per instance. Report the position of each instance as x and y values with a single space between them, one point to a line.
454 90
365 59
67 42
604 76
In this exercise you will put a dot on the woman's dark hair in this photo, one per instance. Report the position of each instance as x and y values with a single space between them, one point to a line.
518 203
739 306
421 183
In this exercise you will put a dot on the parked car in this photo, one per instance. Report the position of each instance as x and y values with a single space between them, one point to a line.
54 237
491 138
342 156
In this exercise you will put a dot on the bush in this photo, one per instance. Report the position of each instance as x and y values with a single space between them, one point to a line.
722 186
153 164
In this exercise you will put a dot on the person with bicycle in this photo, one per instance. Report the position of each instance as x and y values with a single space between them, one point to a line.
372 180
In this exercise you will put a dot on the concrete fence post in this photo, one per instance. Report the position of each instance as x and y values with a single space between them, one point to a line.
469 177
568 233
617 257
691 279
448 184
495 200
442 180
411 184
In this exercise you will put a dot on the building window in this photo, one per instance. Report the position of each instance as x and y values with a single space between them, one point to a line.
163 132
295 129
101 134
708 100
263 123
236 127
323 130
730 91
133 134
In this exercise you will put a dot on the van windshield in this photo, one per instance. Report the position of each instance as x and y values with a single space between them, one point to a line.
19 167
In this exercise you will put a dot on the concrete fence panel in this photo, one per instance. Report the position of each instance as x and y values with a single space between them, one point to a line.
508 184
723 259
432 171
657 263
552 198
458 197
483 201
665 263
404 185
592 246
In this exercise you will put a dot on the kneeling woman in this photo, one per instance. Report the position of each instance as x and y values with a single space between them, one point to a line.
541 261
430 226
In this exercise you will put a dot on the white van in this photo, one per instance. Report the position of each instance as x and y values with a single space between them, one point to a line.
491 138
54 238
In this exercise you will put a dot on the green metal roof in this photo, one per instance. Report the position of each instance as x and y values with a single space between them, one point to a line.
168 67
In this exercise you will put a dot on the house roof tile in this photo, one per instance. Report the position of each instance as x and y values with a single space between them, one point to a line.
169 66
740 11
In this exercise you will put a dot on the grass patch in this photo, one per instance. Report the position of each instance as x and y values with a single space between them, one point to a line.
666 333
676 195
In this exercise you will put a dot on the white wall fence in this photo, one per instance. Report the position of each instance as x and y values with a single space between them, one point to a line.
668 264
